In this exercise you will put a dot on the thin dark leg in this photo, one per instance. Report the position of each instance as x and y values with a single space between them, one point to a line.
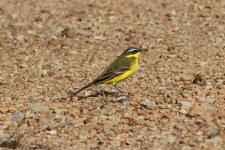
104 99
114 85
103 94
122 96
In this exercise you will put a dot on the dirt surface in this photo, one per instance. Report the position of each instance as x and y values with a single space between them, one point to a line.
176 100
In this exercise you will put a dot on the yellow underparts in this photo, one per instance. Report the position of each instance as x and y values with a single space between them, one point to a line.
125 75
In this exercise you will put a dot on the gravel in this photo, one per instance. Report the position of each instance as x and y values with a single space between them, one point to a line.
176 100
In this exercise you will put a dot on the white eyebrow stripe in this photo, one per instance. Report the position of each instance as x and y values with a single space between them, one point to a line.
132 49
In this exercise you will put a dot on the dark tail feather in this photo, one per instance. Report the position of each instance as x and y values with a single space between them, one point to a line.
83 88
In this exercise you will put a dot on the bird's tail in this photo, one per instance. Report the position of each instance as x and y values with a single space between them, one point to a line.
81 89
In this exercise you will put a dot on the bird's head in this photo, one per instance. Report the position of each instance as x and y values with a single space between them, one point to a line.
133 51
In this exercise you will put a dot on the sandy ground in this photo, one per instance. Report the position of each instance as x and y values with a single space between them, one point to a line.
176 100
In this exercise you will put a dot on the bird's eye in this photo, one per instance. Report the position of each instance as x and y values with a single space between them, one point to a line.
134 51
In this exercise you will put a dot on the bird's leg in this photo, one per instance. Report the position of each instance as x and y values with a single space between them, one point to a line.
122 96
121 93
103 94
103 101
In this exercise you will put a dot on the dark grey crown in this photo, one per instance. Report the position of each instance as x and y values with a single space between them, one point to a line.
132 50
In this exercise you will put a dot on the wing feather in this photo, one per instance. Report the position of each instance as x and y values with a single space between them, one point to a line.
118 67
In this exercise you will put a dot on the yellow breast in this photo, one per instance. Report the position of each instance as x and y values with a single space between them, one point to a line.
125 75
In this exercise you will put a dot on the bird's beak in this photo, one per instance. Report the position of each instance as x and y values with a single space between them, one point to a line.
143 49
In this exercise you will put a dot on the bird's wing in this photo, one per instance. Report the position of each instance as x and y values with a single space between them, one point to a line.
118 67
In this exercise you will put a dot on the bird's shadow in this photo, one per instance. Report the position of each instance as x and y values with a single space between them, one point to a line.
99 93
102 93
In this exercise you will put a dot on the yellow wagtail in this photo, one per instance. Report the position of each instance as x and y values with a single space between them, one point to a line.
121 68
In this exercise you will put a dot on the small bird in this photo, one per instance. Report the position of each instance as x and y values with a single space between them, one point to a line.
120 69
